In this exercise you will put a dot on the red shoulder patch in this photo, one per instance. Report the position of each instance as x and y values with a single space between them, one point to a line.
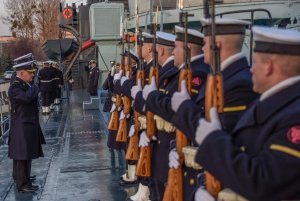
294 134
196 81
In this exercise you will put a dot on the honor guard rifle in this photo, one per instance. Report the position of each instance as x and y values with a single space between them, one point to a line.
123 129
214 92
174 189
133 149
114 119
144 162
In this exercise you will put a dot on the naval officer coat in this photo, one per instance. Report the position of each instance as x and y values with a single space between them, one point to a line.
260 160
25 135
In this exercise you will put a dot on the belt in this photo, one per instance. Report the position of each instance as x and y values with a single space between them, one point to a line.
46 81
142 120
189 157
163 125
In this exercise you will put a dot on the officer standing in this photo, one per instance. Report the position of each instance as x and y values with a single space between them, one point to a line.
93 79
25 135
46 78
260 158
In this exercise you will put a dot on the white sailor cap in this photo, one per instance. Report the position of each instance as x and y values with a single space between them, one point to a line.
166 39
92 61
28 66
48 62
277 41
225 26
147 37
133 54
193 36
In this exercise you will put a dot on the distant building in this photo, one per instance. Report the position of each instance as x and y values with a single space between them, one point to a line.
5 41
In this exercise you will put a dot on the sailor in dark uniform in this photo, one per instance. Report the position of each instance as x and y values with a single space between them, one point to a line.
260 158
93 79
25 135
167 73
59 82
122 86
147 53
238 93
160 104
46 79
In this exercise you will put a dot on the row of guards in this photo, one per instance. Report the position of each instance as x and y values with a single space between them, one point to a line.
161 92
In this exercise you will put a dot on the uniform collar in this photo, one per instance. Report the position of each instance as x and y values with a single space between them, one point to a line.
194 58
148 62
168 60
197 57
278 87
227 62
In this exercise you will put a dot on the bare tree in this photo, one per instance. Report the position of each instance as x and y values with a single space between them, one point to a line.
33 19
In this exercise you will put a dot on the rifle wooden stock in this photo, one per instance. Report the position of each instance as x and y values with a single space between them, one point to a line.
174 189
133 146
214 97
214 94
122 131
144 163
113 122
173 192
114 119
149 115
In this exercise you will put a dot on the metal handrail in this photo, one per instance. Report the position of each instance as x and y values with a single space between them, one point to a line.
4 124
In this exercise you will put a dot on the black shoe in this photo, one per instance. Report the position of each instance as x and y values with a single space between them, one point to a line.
32 177
128 183
26 190
35 187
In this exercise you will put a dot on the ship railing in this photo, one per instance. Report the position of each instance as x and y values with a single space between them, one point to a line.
4 124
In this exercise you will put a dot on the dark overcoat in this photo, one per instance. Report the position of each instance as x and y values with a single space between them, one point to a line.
25 135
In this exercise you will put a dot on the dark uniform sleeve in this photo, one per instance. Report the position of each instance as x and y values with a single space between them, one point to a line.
139 103
117 87
105 84
187 117
160 104
23 97
271 174
126 88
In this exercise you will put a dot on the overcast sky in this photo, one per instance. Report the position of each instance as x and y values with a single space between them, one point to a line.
4 30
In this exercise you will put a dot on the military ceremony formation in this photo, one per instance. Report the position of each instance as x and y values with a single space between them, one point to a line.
197 122
191 114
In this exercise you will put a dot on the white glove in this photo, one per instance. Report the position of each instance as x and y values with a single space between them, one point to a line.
205 127
173 159
113 107
136 88
144 140
149 88
179 97
131 131
124 78
203 195
112 71
118 76
122 115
